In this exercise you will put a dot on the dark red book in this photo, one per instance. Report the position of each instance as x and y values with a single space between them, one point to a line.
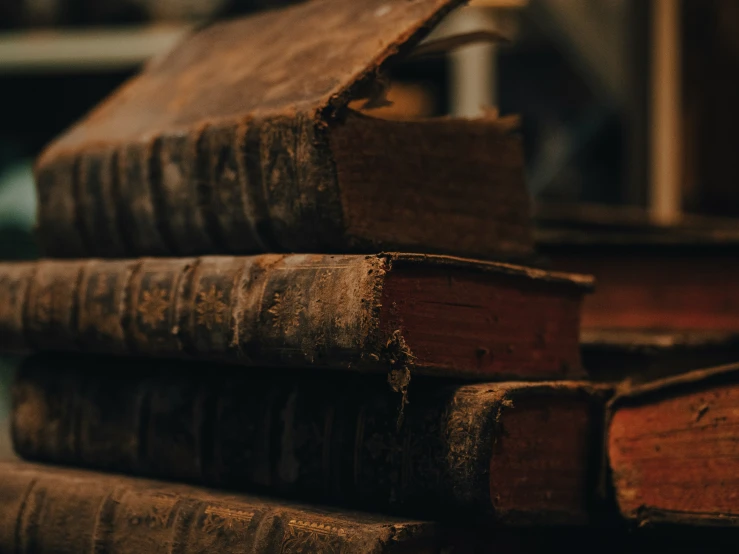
673 449
398 313
512 452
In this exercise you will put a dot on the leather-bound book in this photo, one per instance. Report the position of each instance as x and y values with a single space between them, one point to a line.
391 312
673 449
241 141
48 510
513 452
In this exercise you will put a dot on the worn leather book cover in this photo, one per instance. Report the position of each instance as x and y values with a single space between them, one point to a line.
241 141
673 449
642 355
397 313
45 510
513 452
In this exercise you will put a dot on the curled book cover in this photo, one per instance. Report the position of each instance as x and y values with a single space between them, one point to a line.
513 452
241 140
402 313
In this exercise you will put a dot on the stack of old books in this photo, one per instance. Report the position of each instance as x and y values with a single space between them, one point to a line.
373 357
328 369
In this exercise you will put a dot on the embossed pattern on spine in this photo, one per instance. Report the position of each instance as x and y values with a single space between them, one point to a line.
48 510
207 316
305 310
102 296
154 297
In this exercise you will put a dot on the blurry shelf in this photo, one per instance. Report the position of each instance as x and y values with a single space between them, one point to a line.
85 50
108 49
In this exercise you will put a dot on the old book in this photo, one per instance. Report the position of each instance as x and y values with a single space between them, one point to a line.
675 279
515 452
673 449
46 510
431 314
241 141
646 354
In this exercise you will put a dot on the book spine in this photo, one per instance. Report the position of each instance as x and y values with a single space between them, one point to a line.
315 439
228 202
45 510
256 186
311 310
175 178
15 282
96 204
58 230
301 186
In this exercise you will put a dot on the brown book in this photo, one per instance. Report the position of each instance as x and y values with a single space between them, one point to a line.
46 510
673 449
515 452
400 312
675 279
241 141
646 355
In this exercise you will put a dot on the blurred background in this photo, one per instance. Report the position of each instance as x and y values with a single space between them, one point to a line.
627 107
